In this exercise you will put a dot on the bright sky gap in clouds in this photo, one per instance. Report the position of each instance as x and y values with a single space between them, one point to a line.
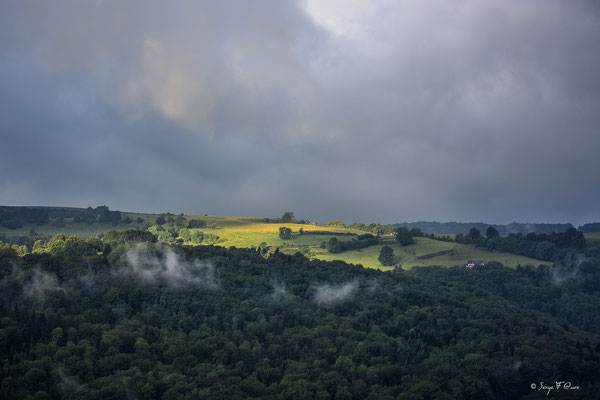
379 111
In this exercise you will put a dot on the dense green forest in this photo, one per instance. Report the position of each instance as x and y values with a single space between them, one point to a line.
128 318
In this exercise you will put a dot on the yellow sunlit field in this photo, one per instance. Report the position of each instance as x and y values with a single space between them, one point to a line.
244 232
408 256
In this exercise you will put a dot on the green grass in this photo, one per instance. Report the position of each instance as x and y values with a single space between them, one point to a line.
82 230
247 232
251 232
407 255
592 237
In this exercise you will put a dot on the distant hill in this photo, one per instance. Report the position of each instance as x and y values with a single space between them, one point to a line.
589 228
451 228
24 226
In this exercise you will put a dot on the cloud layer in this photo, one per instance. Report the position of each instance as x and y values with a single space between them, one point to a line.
161 262
380 111
333 294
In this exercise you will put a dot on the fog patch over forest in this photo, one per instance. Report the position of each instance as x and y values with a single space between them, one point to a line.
131 338
35 284
279 291
561 273
40 283
67 383
161 262
331 294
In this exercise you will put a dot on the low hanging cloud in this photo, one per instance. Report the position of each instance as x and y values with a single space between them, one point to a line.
87 282
562 273
67 383
161 262
332 294
40 284
280 292
35 284
559 275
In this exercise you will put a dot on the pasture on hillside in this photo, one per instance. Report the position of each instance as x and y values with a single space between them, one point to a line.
426 252
80 229
245 232
592 237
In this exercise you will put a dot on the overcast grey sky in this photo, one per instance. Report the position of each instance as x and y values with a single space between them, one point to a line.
379 111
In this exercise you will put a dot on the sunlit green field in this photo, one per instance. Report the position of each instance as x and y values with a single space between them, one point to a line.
407 256
253 232
246 232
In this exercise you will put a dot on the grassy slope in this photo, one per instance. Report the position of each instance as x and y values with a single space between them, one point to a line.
251 232
407 255
82 230
244 232
592 237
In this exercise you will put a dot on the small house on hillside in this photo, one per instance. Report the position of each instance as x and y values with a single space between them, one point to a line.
472 263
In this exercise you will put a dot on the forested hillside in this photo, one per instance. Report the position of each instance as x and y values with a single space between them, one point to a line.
118 319
35 228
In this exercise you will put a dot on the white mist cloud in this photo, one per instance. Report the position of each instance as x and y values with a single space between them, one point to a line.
279 291
67 383
571 271
164 263
559 275
40 284
330 294
517 364
87 282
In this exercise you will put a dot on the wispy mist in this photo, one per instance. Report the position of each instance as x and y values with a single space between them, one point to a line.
152 264
280 292
40 284
33 284
67 383
562 273
331 294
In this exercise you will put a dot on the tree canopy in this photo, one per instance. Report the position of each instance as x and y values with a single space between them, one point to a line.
149 321
288 216
491 232
386 256
403 236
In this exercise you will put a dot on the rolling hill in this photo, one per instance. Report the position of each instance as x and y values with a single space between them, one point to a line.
244 232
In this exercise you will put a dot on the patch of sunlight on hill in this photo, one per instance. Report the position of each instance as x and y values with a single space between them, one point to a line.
426 252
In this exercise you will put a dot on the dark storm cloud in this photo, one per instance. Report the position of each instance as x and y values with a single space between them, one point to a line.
375 111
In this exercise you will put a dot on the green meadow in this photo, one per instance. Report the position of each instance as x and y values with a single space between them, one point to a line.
593 237
426 252
250 232
81 230
245 232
